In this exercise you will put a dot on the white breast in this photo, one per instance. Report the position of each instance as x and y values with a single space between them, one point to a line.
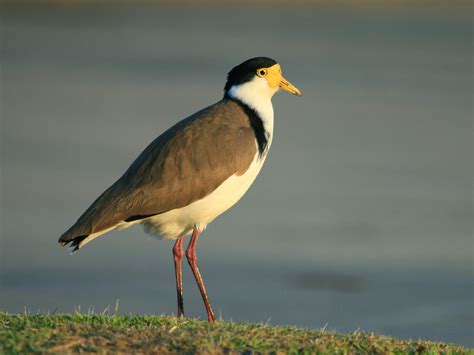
199 214
258 95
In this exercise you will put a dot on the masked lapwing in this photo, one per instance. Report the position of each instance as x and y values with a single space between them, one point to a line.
194 171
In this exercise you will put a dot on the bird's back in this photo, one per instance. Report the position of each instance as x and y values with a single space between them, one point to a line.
183 165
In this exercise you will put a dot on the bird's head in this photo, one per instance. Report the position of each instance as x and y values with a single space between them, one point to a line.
257 77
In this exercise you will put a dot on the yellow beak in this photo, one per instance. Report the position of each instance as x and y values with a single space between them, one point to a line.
287 86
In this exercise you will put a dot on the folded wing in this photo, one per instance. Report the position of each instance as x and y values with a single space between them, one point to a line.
183 165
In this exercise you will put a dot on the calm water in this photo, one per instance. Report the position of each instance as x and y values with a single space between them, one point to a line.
361 218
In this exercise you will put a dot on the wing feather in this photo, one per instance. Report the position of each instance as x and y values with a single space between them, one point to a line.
183 165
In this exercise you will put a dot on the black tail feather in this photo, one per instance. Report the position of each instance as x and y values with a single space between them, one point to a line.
74 243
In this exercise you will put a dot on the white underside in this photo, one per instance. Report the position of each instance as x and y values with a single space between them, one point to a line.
199 214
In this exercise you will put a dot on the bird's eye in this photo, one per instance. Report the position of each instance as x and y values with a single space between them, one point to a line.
262 72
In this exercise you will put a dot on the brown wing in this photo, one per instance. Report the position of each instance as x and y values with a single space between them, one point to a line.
184 164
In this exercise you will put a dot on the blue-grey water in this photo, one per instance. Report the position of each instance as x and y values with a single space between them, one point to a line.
361 218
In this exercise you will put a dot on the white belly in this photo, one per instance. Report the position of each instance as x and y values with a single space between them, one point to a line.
199 214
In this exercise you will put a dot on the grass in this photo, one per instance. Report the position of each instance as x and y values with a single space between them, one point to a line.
77 332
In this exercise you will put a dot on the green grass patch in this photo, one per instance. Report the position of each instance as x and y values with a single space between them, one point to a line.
100 333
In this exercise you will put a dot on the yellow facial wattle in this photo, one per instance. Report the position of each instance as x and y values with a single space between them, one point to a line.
276 80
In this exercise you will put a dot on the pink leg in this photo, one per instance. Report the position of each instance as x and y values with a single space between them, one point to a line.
178 256
192 260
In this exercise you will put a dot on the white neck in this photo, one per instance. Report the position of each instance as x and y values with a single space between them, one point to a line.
258 96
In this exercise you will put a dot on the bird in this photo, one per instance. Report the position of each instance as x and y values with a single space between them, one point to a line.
192 172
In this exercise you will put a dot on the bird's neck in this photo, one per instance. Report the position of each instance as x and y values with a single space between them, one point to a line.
260 101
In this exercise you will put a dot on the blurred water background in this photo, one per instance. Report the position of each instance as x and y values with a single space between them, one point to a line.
361 218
